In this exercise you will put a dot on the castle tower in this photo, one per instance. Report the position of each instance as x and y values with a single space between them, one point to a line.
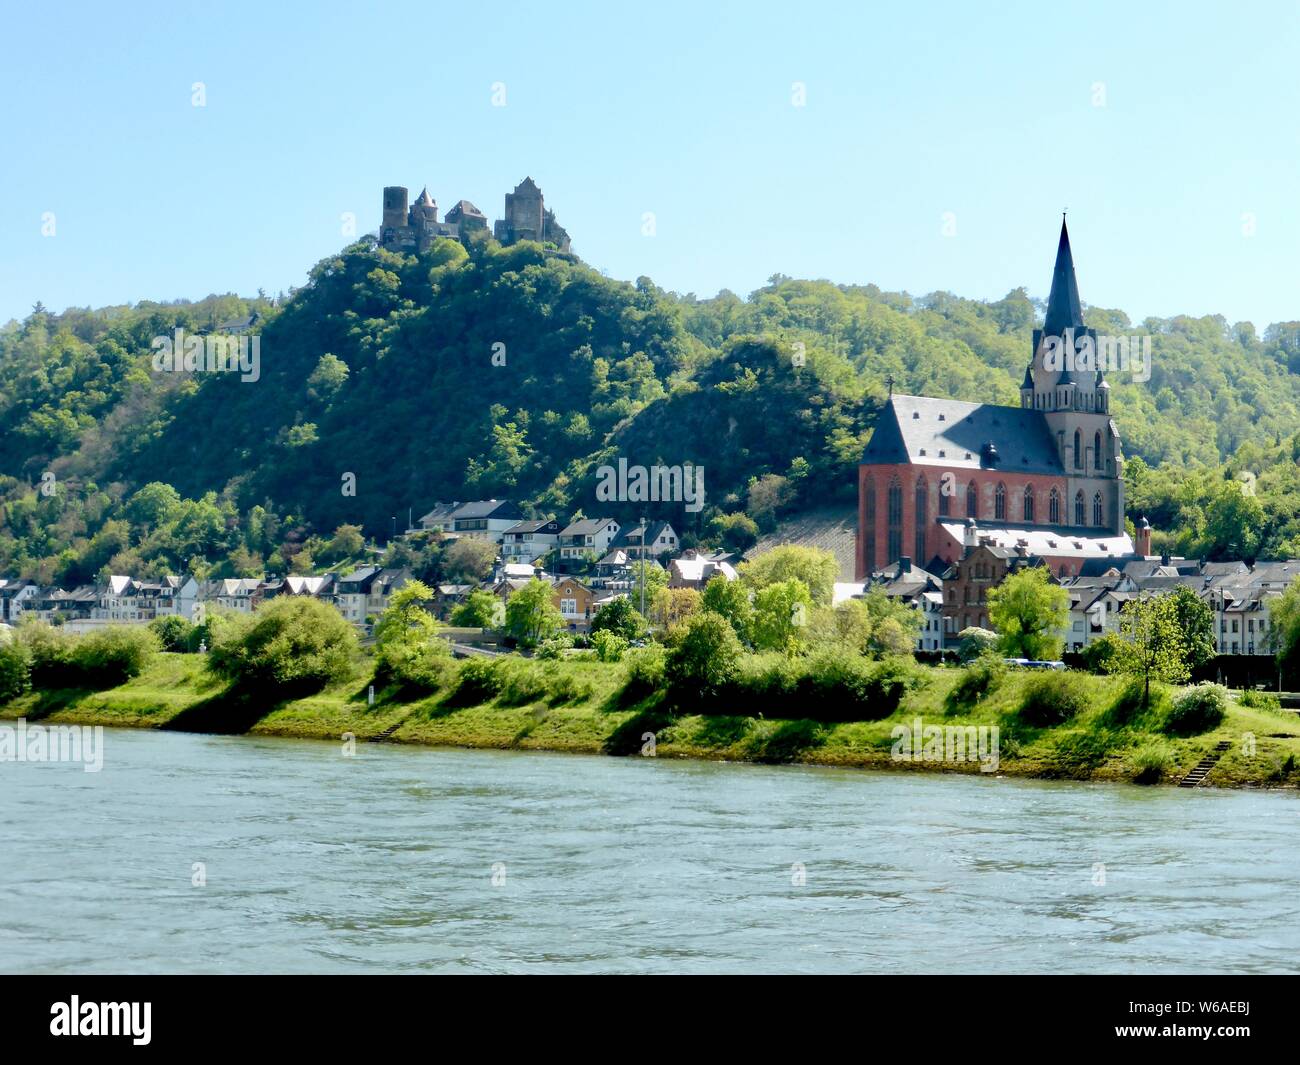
425 211
395 212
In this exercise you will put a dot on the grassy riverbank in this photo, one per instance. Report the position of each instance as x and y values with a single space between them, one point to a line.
581 706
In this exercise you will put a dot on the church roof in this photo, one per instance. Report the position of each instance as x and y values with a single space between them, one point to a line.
952 433
1049 541
1063 307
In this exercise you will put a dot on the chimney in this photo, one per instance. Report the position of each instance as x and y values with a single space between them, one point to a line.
1164 558
904 565
1143 537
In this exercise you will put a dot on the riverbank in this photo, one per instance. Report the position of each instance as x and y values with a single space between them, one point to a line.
583 709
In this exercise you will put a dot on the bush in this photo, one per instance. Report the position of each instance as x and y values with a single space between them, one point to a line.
647 672
1103 655
15 669
705 656
416 667
113 655
1198 709
555 646
290 642
1150 763
1260 700
51 655
978 680
610 646
832 685
1052 699
477 681
566 688
518 682
975 642
174 632
621 618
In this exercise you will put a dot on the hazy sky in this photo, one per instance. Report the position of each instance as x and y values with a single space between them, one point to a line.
1170 132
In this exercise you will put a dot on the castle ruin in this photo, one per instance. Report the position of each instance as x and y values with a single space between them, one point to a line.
415 228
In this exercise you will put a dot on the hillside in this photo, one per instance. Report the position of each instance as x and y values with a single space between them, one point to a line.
516 371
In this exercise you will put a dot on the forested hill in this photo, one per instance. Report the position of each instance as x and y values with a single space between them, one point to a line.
516 371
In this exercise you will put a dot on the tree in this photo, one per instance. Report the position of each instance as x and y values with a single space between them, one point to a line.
894 624
1151 644
1284 629
731 599
620 617
407 645
469 561
1029 611
531 614
1195 621
817 569
346 543
781 615
174 632
479 610
738 532
651 573
671 606
705 655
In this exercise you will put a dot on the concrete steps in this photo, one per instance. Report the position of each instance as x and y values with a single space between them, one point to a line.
1202 768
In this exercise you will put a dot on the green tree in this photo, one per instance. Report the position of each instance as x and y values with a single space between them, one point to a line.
469 561
531 614
817 569
292 642
705 654
479 610
407 645
1195 621
781 616
620 617
731 599
1151 645
1029 611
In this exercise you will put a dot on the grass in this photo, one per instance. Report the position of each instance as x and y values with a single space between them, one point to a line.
580 706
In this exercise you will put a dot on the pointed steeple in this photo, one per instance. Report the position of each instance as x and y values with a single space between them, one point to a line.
1063 307
426 200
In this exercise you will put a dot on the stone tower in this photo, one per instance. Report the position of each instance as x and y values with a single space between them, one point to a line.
395 212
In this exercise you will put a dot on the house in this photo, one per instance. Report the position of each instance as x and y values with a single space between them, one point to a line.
439 518
1094 606
485 519
14 594
352 593
240 594
584 541
647 540
1048 472
694 570
966 584
182 597
527 541
447 597
576 603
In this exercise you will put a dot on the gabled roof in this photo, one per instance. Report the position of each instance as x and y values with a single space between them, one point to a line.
532 527
440 512
587 527
488 508
631 536
952 433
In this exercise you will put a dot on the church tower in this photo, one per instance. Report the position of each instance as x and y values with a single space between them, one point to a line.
1064 381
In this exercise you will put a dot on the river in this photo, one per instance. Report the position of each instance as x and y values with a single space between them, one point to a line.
191 853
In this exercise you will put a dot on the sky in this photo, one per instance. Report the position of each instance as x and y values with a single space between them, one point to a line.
919 147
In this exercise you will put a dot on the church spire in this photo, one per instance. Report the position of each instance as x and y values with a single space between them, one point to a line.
1063 307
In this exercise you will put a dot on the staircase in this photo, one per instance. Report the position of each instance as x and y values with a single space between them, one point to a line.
1202 768
379 737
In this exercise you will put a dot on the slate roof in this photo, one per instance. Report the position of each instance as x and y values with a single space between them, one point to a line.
488 508
1055 541
952 433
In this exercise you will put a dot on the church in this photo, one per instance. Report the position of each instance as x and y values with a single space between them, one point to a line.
1044 479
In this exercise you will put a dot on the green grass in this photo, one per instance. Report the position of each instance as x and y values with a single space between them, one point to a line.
575 705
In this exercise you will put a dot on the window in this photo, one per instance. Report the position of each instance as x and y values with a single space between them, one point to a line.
1079 516
1096 509
922 513
972 501
945 504
895 516
1078 450
1054 507
869 523
1096 451
1029 502
1000 503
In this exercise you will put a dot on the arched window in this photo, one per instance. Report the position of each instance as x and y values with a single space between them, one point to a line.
972 501
922 517
1054 507
1096 509
869 524
1000 503
1096 451
1078 450
947 485
1029 502
1079 518
895 516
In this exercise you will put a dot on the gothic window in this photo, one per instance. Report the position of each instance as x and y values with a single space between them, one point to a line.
922 513
1096 509
945 501
869 523
1096 451
972 501
1029 502
895 516
1000 503
1078 450
1054 507
1079 518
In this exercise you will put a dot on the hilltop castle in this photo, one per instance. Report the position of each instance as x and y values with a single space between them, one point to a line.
415 228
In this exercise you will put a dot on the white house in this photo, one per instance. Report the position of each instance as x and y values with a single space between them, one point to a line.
485 519
586 538
527 541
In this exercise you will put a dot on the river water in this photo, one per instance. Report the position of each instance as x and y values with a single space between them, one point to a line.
192 853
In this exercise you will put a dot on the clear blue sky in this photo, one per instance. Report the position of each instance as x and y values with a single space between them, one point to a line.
680 109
